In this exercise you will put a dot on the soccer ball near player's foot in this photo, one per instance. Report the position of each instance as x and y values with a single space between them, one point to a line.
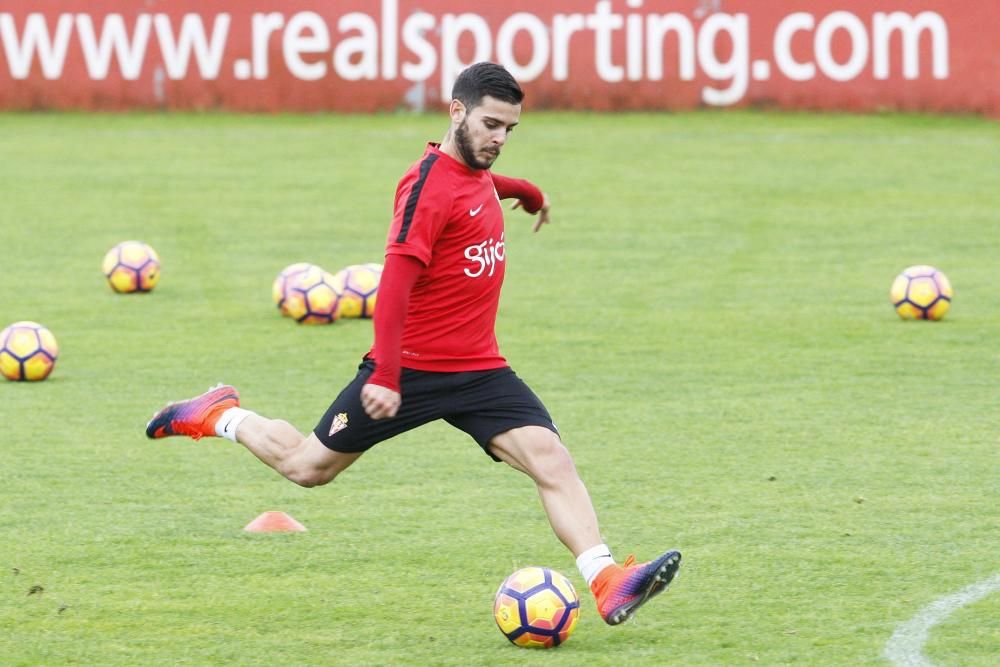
921 293
28 351
536 607
313 297
284 280
360 283
131 266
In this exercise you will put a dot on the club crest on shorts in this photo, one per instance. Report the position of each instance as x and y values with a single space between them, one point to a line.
339 423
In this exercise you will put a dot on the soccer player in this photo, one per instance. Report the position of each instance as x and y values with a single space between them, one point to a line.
435 354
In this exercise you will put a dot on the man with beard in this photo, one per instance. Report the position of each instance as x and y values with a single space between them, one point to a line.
435 354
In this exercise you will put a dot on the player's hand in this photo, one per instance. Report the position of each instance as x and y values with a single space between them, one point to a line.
380 402
543 212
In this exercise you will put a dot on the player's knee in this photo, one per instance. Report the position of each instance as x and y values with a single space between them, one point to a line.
549 460
311 463
310 477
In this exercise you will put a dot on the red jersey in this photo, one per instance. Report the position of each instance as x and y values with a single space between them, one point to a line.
448 216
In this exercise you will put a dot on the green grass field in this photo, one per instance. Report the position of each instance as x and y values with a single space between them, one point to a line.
707 319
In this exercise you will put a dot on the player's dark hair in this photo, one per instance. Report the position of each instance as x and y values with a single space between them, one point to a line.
482 79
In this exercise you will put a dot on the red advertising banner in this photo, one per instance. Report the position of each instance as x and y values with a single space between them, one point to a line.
356 55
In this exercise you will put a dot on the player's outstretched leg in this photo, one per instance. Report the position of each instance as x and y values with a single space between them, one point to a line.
196 417
621 589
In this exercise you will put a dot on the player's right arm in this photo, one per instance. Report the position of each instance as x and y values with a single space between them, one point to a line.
421 210
380 396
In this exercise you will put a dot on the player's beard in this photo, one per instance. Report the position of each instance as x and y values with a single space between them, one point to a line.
467 151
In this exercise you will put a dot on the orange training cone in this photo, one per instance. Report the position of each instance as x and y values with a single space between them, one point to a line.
274 522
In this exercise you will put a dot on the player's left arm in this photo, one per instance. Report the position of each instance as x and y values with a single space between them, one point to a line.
528 196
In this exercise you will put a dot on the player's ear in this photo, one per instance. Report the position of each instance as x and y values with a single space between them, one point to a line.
457 111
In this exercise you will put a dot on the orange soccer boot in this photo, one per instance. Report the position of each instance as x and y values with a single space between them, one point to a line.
621 589
194 417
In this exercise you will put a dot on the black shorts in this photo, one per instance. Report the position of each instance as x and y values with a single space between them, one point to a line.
481 403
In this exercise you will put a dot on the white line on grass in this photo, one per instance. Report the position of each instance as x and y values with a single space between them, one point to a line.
904 647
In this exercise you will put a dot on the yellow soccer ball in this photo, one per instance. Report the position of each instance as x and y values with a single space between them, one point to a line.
28 352
131 266
313 297
284 280
536 607
360 289
921 293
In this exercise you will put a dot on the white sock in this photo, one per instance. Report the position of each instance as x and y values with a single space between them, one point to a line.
593 560
229 420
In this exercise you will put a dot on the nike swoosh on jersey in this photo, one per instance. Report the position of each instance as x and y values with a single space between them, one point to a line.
475 211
